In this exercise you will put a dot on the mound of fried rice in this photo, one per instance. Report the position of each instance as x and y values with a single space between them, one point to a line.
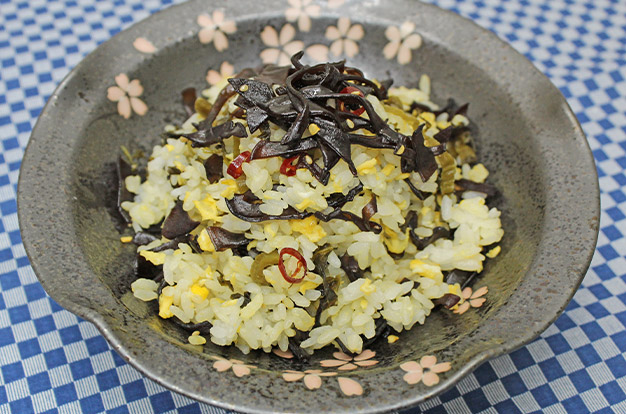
399 283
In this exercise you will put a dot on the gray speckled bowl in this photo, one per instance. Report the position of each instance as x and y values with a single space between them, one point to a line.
528 138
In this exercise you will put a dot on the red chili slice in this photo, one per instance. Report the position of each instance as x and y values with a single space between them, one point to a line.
234 168
288 167
301 264
350 90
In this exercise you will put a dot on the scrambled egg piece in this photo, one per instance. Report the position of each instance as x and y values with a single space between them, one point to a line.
368 167
208 209
455 290
204 241
431 271
200 291
367 287
309 227
164 306
153 257
388 169
229 303
493 252
308 285
304 204
478 173
393 243
231 188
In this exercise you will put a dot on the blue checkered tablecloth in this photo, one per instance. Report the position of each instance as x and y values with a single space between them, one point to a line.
54 362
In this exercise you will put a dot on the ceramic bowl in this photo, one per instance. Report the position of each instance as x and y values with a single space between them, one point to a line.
129 88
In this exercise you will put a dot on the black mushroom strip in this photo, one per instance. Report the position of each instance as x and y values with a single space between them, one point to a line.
213 134
363 223
206 133
247 207
381 330
203 327
438 233
321 174
178 222
145 269
269 149
189 100
417 157
462 277
444 135
295 348
142 238
418 193
224 239
467 185
172 244
351 267
213 168
329 285
447 301
338 200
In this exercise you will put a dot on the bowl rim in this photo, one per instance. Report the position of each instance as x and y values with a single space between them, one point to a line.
31 218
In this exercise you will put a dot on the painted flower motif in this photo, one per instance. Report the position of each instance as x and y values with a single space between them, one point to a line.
214 77
144 45
317 52
312 377
402 40
344 362
349 386
345 37
333 4
426 370
474 300
281 46
283 354
302 11
127 94
239 368
215 28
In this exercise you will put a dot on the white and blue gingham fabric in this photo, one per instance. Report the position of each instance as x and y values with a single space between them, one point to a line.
53 362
